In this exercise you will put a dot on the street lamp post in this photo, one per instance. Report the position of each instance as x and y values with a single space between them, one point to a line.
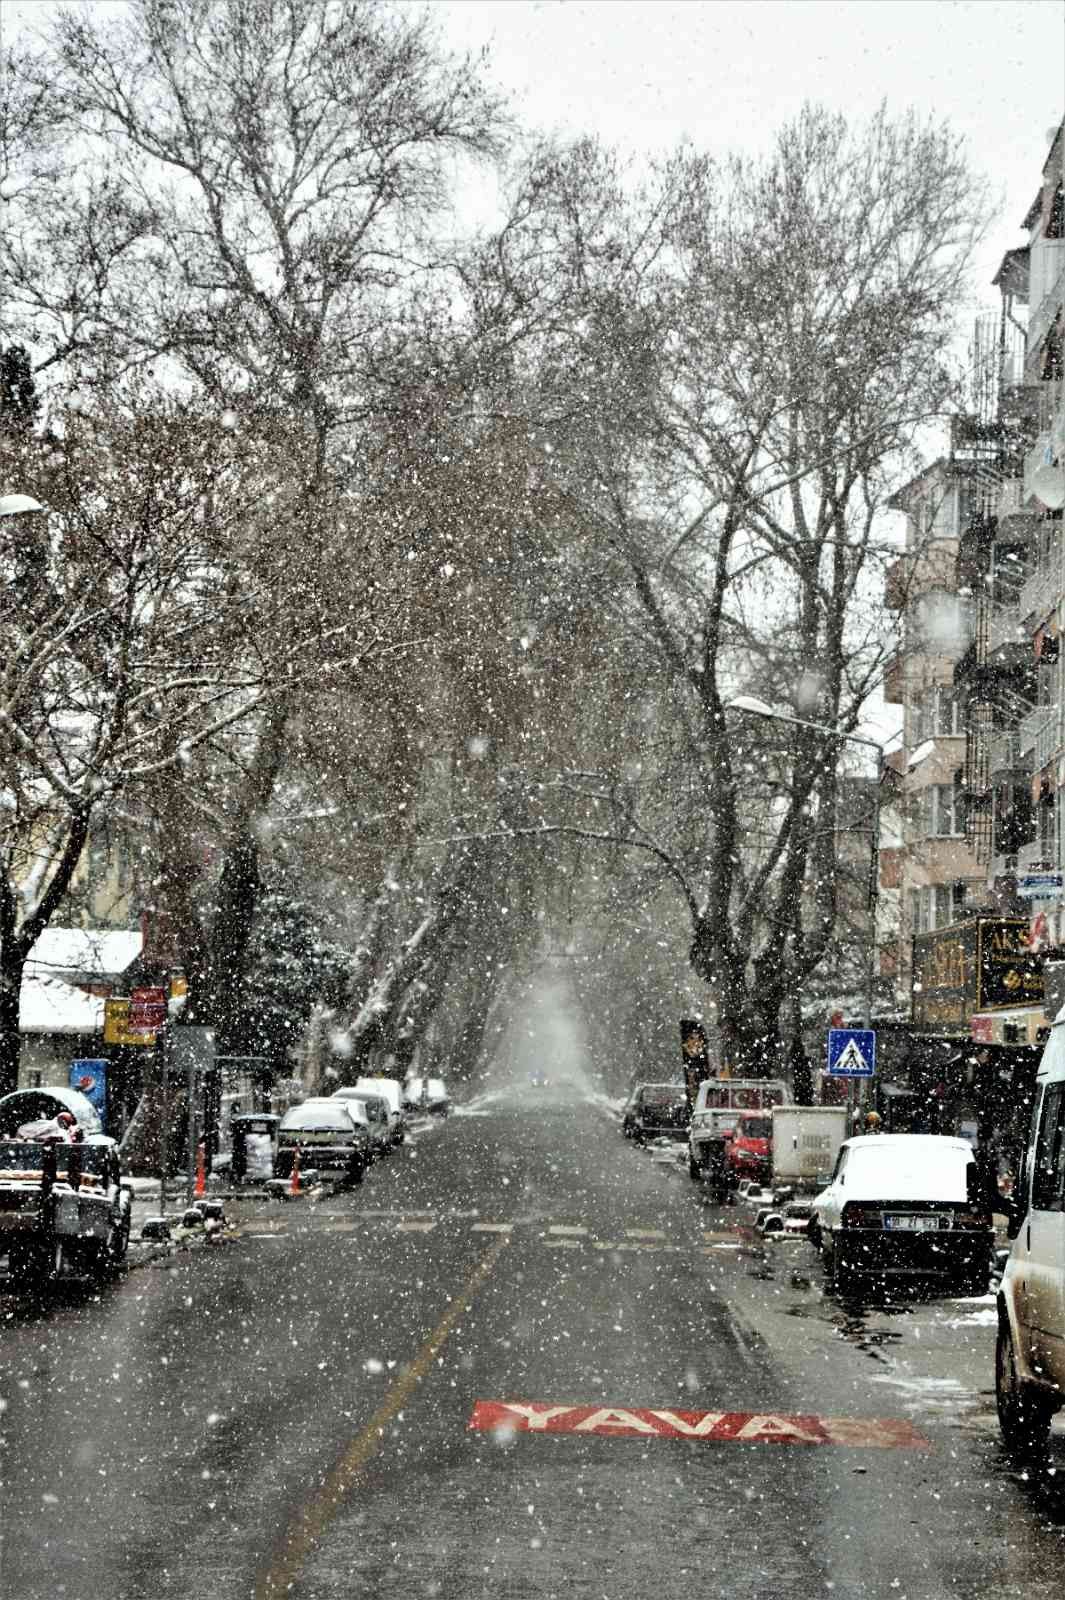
758 708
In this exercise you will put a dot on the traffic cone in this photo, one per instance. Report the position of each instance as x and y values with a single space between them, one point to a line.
200 1188
294 1186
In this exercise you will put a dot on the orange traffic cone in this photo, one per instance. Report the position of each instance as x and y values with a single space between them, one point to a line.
200 1188
294 1186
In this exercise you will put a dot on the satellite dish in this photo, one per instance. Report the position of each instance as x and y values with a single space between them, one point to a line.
1049 484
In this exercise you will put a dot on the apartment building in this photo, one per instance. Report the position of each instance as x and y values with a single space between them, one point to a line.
933 868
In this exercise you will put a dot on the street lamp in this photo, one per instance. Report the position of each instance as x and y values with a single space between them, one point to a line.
758 708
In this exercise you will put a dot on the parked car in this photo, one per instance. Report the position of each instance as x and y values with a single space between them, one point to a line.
35 1105
390 1091
1030 1350
63 1205
427 1095
909 1205
791 1220
327 1136
750 1152
373 1108
659 1111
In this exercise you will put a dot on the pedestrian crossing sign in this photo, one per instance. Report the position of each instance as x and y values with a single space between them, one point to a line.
851 1052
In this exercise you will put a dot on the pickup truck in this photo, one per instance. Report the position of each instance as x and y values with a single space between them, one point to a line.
63 1207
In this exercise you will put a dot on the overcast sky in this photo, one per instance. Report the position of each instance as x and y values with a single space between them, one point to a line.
725 73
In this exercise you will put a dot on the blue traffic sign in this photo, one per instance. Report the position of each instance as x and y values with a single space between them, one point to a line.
851 1052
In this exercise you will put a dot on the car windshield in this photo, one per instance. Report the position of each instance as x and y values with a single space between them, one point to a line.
662 1096
754 1128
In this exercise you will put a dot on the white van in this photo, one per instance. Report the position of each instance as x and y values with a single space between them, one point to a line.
389 1090
1030 1352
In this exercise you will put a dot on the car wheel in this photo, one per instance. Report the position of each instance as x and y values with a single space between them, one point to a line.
1023 1414
813 1233
356 1171
695 1169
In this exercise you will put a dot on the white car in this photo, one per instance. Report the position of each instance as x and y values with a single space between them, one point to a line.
1030 1351
372 1109
905 1205
390 1091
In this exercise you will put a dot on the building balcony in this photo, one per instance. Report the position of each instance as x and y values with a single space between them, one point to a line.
1004 627
1041 317
1030 728
1042 588
1047 739
1006 757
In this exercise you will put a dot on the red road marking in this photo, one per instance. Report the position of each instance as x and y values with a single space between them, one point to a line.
748 1427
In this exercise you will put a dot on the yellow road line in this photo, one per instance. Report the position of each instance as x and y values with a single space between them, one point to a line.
321 1509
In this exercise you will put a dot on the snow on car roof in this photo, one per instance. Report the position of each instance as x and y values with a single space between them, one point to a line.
906 1166
320 1113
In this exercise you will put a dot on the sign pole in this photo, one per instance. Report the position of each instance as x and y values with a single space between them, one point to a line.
164 1131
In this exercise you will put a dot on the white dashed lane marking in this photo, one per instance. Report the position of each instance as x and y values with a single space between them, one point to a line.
553 1236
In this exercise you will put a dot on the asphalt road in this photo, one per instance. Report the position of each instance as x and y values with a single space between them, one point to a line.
661 1408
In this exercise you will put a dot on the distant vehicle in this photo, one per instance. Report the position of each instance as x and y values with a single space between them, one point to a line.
327 1136
390 1091
805 1144
905 1205
538 1079
658 1111
427 1094
37 1105
790 1220
374 1109
1030 1349
750 1148
719 1105
63 1207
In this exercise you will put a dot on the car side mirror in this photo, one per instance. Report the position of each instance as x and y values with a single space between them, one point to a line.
1014 1216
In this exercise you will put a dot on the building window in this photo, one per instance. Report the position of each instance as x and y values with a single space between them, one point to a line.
942 811
936 714
1048 840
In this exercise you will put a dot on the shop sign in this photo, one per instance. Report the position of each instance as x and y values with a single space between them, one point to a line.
985 964
1041 885
118 1029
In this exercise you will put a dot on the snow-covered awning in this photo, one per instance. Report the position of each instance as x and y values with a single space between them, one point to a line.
84 953
48 1005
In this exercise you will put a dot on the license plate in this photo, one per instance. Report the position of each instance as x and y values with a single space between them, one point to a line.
911 1224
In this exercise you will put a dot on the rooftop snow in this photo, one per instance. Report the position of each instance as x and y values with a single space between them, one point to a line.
100 952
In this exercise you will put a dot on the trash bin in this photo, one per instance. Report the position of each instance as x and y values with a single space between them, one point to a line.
249 1129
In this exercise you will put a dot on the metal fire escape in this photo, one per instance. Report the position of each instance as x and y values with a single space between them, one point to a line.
995 676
